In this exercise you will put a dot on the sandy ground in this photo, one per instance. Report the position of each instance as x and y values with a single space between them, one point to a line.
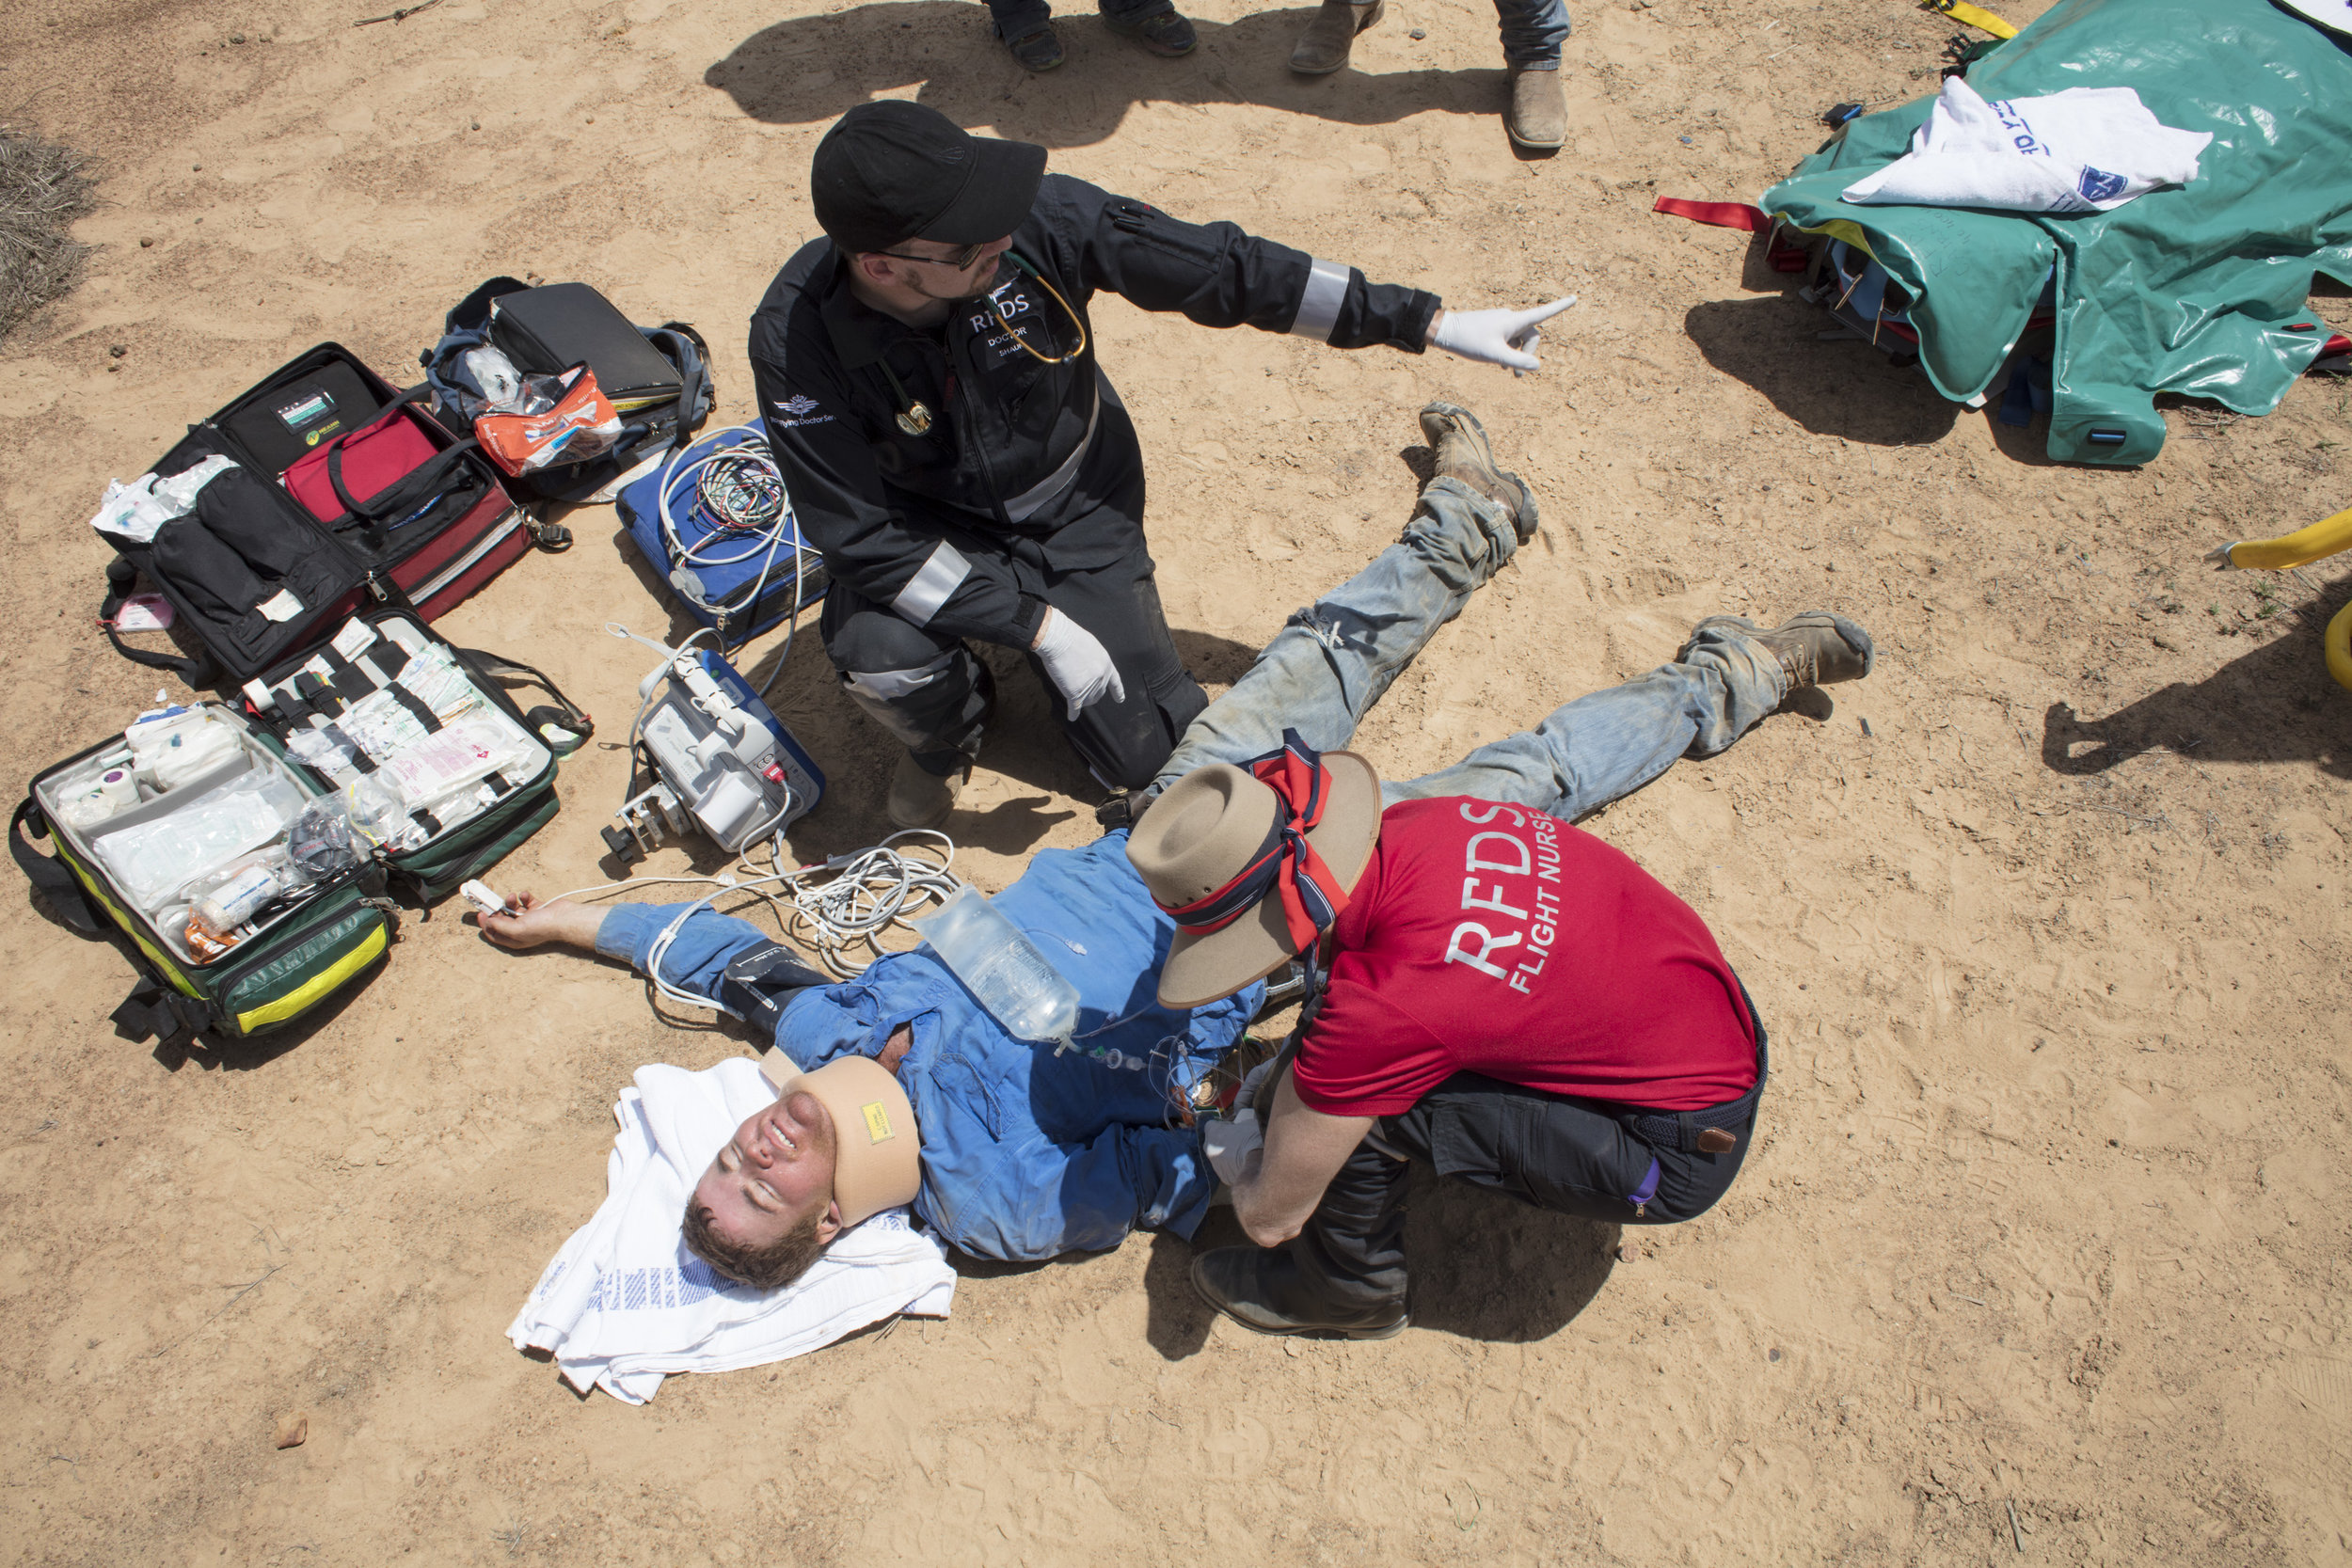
2039 1253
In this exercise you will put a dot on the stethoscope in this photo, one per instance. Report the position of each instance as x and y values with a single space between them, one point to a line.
914 417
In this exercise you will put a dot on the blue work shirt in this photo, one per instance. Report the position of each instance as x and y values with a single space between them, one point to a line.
1025 1153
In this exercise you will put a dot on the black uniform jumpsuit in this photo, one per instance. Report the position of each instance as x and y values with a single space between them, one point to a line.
1026 488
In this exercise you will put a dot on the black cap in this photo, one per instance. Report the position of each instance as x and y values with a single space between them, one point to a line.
890 171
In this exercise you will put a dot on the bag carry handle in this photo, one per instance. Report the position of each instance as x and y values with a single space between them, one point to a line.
58 887
694 377
573 717
404 491
121 576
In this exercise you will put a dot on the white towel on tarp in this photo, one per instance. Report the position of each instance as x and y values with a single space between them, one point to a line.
624 1304
2081 150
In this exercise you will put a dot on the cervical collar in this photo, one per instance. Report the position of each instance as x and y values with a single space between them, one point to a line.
875 1148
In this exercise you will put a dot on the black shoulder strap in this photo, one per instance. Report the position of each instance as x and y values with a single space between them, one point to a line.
155 1010
58 887
496 667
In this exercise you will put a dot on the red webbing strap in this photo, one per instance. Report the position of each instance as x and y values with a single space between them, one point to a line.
1737 215
1719 214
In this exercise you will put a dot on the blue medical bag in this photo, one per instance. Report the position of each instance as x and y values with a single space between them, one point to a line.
740 580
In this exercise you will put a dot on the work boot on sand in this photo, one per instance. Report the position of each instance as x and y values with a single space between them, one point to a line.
1166 34
1459 440
1816 648
1538 120
1040 51
921 798
1264 1289
1323 47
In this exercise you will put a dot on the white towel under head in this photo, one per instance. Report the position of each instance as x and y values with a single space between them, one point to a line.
624 1304
2081 150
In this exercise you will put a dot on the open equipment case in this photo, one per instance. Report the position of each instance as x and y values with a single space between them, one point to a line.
124 865
346 493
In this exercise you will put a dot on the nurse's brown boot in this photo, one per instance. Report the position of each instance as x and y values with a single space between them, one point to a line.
1323 47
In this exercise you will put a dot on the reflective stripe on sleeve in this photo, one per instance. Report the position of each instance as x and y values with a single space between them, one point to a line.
941 576
1319 307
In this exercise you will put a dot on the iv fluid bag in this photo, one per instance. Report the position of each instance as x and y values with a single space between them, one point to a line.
1013 980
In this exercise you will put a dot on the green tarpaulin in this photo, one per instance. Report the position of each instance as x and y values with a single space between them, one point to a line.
2193 289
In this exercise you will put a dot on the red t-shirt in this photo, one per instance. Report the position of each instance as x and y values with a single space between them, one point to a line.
1491 939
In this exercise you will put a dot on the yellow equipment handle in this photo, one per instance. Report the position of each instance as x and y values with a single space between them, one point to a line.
2324 538
2299 548
1976 16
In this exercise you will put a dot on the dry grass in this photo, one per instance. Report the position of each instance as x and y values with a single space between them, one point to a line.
44 188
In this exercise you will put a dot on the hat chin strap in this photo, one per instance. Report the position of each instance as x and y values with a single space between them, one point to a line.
877 1149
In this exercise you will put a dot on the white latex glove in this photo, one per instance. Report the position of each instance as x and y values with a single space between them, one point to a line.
1497 336
1229 1144
1081 667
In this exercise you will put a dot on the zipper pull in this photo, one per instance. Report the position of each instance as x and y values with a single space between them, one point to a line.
376 588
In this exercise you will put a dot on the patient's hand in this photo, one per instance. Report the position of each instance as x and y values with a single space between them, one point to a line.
534 924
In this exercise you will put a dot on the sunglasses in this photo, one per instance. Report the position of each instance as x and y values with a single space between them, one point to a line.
957 263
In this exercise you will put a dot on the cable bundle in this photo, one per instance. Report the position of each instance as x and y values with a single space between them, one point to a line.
740 492
739 500
832 908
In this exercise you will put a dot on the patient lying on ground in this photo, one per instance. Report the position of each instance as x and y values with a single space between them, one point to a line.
1008 1149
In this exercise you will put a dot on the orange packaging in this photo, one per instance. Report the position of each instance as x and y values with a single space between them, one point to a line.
581 425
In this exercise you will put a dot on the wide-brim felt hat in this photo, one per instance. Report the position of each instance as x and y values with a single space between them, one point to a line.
1204 830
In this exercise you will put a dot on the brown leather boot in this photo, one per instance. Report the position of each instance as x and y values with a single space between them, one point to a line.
1323 47
1460 443
1816 648
1538 120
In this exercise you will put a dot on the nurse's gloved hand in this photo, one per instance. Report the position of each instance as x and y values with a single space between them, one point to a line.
1229 1145
1080 667
1496 336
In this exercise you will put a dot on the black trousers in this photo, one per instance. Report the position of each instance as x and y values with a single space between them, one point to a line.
935 695
1590 1158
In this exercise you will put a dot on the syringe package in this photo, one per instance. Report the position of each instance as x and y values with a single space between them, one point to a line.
246 852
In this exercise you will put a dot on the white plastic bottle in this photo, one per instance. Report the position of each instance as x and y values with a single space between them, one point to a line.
1004 969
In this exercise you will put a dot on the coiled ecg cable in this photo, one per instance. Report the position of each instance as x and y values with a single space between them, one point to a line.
739 497
835 907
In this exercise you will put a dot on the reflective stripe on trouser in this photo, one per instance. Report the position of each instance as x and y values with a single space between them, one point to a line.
933 696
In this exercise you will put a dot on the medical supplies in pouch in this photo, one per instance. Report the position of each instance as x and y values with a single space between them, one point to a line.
246 852
715 524
438 772
720 760
192 837
319 489
504 335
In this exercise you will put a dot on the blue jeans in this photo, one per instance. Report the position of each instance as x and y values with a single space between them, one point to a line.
1325 670
1533 32
1318 676
1017 18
